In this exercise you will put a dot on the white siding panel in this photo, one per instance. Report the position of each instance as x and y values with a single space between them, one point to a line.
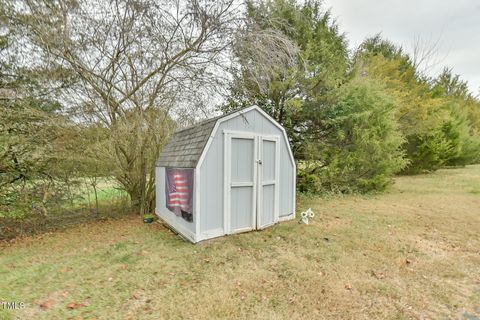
287 175
242 160
268 158
211 179
241 208
160 200
268 208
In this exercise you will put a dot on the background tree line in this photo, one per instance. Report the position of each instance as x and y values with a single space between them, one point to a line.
355 118
92 90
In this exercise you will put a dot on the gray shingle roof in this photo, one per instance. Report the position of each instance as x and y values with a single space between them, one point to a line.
185 147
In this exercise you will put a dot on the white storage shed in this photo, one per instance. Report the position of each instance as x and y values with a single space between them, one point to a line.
225 175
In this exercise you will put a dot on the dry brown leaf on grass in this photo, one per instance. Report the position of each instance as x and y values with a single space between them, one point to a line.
74 305
136 296
47 304
143 253
378 275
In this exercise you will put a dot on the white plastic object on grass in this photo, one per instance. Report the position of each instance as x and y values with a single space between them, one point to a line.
306 215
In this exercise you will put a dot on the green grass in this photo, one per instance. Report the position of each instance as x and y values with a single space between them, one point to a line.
411 253
107 190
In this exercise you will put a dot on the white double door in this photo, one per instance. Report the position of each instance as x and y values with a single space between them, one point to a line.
251 186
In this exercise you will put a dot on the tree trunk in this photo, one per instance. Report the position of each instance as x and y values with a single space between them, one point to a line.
94 185
141 201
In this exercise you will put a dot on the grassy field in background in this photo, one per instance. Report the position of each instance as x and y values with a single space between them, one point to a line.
107 189
82 197
412 253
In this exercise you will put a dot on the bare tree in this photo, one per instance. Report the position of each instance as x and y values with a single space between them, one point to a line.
425 54
265 56
134 62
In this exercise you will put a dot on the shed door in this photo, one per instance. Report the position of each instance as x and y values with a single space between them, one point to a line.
268 187
240 181
251 180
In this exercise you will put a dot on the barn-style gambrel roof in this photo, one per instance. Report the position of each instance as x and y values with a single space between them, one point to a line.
186 146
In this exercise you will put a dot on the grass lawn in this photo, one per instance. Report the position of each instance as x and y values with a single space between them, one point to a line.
412 253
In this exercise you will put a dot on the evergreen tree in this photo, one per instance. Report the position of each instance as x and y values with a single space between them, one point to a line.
356 146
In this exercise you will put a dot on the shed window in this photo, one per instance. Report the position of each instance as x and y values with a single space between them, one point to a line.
179 192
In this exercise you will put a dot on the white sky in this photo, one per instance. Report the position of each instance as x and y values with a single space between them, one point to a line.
454 24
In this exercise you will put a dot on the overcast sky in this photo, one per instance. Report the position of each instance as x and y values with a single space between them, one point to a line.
455 25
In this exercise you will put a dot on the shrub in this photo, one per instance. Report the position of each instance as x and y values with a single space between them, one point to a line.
451 143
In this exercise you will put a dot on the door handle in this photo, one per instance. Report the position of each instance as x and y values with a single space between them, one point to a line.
259 161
